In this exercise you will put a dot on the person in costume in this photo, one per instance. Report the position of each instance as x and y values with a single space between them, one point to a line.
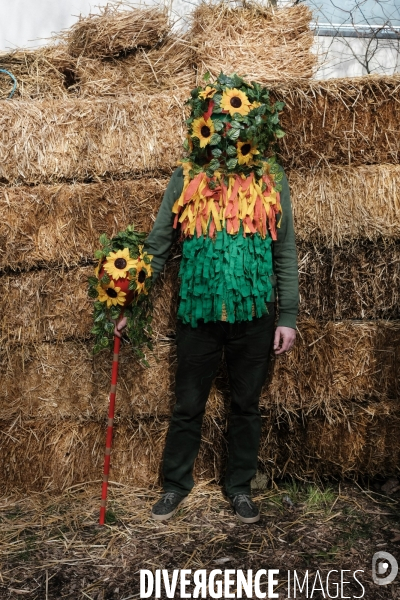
229 202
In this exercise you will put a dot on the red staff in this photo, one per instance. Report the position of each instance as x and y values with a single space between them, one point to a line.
112 287
111 409
118 288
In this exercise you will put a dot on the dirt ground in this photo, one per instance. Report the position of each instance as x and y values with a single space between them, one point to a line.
52 548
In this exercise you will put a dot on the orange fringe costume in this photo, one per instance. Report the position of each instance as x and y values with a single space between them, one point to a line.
227 202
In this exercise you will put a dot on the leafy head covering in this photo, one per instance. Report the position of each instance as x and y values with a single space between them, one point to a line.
232 127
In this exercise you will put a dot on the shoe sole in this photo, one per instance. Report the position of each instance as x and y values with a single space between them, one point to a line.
248 519
170 514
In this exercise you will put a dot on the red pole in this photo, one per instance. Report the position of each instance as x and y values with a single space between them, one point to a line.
113 391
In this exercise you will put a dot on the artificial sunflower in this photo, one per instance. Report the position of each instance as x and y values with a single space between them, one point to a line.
235 101
118 264
208 92
111 294
245 152
203 129
143 256
143 272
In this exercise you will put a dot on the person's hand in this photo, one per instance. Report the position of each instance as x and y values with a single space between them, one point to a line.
284 339
120 326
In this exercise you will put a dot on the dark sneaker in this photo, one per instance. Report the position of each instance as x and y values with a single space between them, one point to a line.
167 506
245 509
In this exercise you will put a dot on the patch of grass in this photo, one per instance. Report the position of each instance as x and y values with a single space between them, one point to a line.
295 491
358 529
317 498
311 495
111 517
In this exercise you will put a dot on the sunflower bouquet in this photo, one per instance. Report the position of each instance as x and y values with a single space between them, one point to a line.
120 287
232 128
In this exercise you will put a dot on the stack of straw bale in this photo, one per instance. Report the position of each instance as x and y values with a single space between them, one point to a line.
328 124
117 52
87 147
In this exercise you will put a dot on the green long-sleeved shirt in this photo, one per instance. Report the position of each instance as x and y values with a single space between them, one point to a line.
285 268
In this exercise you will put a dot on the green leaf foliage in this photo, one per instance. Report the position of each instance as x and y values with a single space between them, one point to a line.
138 331
260 126
215 139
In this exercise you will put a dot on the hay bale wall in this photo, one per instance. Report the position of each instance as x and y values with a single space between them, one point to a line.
71 451
128 135
64 375
87 147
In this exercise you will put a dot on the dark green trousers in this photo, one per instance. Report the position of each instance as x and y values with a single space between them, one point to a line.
247 346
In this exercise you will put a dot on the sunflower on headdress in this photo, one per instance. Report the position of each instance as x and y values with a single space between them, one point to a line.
208 92
203 129
111 294
118 263
235 101
245 152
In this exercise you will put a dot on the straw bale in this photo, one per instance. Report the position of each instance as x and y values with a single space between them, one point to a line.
45 305
168 66
360 441
53 305
359 280
54 225
81 139
60 225
117 28
335 204
263 44
354 281
335 362
65 381
340 121
43 454
331 364
46 72
46 455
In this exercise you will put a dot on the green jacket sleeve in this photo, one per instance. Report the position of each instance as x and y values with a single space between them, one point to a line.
162 236
285 263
